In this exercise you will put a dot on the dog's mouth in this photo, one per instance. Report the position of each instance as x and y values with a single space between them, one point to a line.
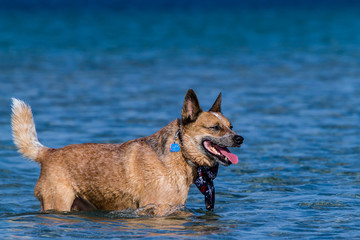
222 154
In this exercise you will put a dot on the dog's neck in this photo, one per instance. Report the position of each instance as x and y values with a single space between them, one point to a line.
178 135
161 142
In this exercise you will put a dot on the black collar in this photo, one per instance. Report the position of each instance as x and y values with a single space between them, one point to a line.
178 132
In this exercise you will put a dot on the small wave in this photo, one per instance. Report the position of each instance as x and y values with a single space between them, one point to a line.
151 211
322 204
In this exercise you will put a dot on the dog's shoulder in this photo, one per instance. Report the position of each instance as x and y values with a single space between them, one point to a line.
160 141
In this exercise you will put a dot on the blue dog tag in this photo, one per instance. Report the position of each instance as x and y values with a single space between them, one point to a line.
174 147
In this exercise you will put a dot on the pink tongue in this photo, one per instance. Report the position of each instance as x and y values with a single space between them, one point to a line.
232 157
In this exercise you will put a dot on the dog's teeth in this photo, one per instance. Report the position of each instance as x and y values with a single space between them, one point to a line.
214 149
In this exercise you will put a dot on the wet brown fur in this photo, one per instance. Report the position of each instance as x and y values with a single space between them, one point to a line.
135 174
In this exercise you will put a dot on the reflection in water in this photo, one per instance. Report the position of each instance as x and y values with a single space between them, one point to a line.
179 221
125 223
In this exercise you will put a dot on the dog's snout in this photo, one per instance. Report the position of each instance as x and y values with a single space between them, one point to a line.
238 139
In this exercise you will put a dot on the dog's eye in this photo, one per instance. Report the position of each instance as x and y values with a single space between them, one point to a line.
231 127
216 128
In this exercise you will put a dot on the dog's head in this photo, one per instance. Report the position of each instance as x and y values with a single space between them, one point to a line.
207 135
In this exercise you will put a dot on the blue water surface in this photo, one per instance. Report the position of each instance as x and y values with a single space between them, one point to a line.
290 83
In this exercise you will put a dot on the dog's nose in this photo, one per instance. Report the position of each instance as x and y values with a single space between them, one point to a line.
238 139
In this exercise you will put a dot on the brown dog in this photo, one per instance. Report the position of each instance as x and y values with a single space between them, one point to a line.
134 174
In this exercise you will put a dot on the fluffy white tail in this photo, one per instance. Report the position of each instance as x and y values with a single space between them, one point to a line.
24 132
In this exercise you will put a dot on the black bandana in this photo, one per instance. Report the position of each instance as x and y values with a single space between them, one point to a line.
204 183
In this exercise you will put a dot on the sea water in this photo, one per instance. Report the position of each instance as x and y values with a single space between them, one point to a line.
289 76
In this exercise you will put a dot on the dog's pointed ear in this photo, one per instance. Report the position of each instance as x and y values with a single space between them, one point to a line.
216 107
191 108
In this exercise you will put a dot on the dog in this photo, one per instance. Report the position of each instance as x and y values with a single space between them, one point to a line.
156 170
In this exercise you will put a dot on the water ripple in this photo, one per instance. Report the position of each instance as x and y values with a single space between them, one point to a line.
290 84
